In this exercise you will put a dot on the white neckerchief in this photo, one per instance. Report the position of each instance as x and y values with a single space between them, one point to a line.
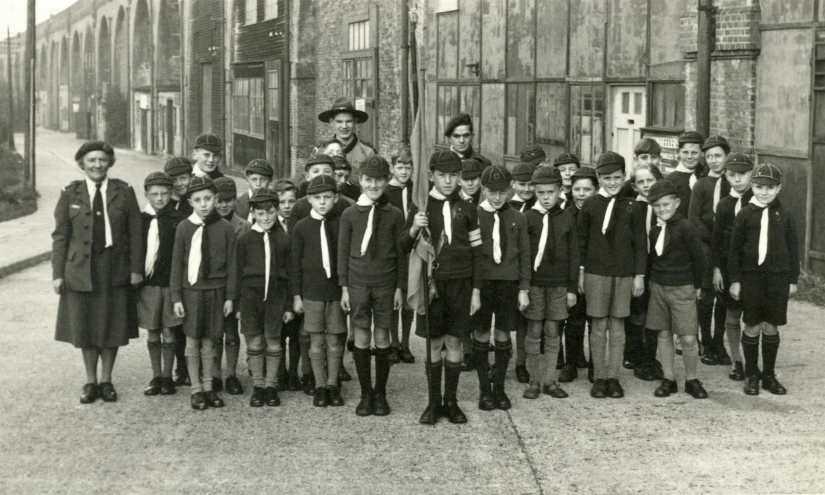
250 218
465 196
562 200
90 185
543 238
609 212
763 230
648 217
152 242
692 180
197 172
486 206
717 189
267 257
738 205
363 200
404 201
660 241
195 249
445 212
324 243
282 221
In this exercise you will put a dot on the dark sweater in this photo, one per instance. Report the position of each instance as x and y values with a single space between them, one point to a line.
522 206
700 211
683 258
622 250
723 230
252 261
309 280
394 196
560 263
168 220
682 182
382 264
515 246
301 209
222 256
183 206
783 244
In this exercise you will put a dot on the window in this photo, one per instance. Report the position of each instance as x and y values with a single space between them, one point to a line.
667 105
251 11
271 9
521 117
248 106
446 6
587 122
358 80
359 35
273 85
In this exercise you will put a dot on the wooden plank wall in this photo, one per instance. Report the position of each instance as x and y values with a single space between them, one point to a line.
551 39
492 126
779 11
493 34
469 38
587 38
626 38
521 39
665 54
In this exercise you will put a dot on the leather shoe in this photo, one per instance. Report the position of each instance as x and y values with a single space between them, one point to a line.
645 373
614 389
107 392
709 358
258 397
308 382
485 401
380 405
199 401
343 374
722 357
293 382
271 397
167 387
772 385
554 391
154 387
599 389
431 414
217 385
454 413
213 399
233 385
568 374
694 388
407 356
366 407
737 372
334 398
320 399
628 365
501 400
522 376
666 388
532 392
468 364
89 393
752 385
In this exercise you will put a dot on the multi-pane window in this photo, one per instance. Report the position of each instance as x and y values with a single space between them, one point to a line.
667 105
251 9
273 85
587 122
357 78
359 35
271 9
521 117
248 106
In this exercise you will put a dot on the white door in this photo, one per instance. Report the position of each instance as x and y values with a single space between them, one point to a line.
629 110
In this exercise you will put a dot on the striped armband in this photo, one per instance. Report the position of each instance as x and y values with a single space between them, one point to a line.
475 238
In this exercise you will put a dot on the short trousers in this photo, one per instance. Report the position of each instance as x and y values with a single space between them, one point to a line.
324 317
672 308
547 303
608 296
155 309
450 311
764 297
204 313
259 317
500 298
371 305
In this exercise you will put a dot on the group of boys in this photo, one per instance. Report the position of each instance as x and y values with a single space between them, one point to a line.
543 250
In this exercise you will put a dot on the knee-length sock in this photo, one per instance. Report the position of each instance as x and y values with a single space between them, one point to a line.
273 361
551 350
690 356
598 351
666 353
363 368
317 360
255 360
168 358
154 347
306 359
616 343
770 347
750 348
382 370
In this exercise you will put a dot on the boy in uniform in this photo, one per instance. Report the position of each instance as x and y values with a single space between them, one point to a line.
265 299
506 279
566 164
764 269
342 173
554 258
399 194
689 170
207 154
470 180
371 273
676 265
258 174
454 232
155 313
738 170
614 251
317 294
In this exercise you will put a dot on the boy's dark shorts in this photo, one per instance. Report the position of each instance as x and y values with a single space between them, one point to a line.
262 317
499 297
371 304
204 313
450 311
764 297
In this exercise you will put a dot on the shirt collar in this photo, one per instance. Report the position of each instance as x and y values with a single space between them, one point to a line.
90 186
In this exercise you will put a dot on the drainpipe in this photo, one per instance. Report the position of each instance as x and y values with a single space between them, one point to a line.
704 46
405 56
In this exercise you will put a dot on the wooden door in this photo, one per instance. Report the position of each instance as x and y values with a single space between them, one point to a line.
629 110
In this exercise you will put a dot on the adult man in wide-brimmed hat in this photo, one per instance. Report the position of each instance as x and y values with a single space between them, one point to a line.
343 117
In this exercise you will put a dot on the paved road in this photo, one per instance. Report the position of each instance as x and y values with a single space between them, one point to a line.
727 444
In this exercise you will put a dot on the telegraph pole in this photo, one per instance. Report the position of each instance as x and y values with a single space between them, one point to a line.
30 58
11 89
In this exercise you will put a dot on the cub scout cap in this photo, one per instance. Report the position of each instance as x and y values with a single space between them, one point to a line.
714 141
458 120
341 163
496 178
566 158
259 166
199 184
178 165
209 142
319 159
767 174
738 162
157 179
263 195
584 173
375 166
532 155
647 146
471 168
691 137
661 189
321 183
546 175
445 161
226 188
609 162
90 146
285 185
523 172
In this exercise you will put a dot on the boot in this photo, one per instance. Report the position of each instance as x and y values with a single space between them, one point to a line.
433 411
502 356
452 372
485 394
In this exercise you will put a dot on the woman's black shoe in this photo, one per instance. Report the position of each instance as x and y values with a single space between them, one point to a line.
89 393
167 387
107 392
154 387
